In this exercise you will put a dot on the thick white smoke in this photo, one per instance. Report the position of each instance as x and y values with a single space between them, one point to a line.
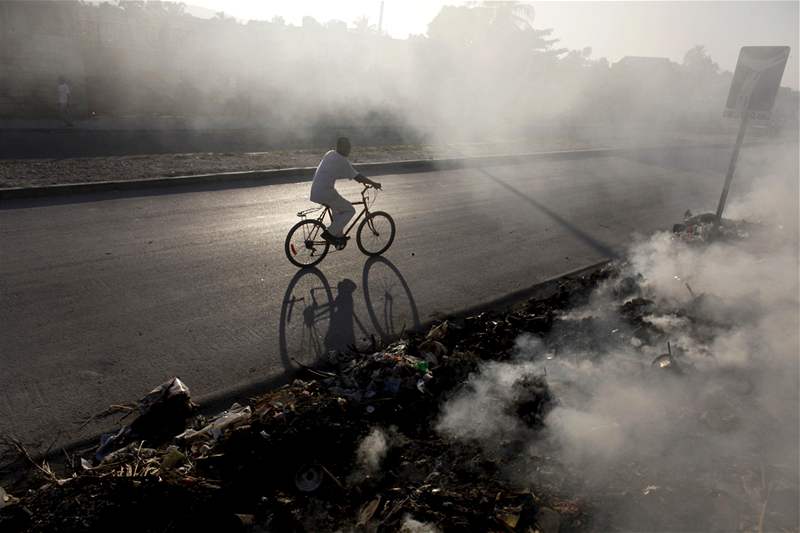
372 450
727 424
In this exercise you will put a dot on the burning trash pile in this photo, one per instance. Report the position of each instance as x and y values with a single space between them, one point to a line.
350 446
704 227
675 387
650 394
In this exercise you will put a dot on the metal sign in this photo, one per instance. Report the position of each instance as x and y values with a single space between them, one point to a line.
756 81
753 89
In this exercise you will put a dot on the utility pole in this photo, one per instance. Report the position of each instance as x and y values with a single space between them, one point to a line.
380 20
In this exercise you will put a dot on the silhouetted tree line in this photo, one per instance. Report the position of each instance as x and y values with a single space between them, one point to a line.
481 69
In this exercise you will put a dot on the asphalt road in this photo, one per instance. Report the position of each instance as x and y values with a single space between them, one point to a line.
106 296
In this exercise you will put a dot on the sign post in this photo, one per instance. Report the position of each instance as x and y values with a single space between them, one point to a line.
732 166
755 83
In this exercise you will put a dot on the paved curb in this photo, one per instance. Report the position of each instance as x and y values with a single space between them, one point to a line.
259 177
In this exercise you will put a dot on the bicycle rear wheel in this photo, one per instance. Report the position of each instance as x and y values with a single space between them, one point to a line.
375 233
304 244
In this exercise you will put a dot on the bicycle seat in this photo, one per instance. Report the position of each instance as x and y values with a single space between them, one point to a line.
310 210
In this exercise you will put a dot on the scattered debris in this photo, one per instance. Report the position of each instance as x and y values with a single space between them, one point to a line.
548 520
704 228
236 416
163 412
354 445
532 400
650 488
666 361
308 478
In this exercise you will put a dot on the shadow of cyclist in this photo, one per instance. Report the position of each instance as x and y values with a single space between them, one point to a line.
315 319
341 333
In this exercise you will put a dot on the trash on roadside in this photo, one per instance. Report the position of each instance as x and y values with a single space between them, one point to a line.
172 458
548 521
515 511
531 400
236 416
308 478
367 511
163 413
704 227
666 361
649 489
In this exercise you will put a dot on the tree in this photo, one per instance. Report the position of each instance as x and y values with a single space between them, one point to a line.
170 8
311 23
697 61
362 25
503 24
510 14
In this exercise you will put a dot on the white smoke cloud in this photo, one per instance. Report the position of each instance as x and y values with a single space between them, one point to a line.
372 450
410 525
620 422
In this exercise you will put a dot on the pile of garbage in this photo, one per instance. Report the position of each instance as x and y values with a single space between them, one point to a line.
348 446
704 228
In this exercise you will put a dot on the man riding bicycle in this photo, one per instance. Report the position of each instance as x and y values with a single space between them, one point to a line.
334 165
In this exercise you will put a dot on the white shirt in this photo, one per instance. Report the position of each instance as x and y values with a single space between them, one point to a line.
63 93
332 167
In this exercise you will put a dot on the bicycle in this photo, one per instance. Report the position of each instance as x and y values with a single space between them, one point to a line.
305 247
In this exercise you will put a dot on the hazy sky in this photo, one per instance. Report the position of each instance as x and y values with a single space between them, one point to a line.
612 29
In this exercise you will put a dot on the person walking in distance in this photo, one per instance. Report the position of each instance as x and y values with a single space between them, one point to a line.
64 94
334 165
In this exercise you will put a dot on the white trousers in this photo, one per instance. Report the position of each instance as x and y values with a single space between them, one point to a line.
341 210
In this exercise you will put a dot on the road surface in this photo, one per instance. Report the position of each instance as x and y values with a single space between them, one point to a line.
105 296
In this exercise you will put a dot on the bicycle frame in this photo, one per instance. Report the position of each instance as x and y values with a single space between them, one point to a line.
327 211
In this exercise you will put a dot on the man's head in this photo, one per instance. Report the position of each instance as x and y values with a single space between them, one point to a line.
343 146
61 80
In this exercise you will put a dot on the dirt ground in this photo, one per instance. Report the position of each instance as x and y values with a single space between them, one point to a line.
39 172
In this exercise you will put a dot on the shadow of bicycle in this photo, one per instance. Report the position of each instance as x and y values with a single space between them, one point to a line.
316 318
388 298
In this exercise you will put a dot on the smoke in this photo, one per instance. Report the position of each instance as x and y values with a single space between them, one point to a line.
481 410
483 72
372 450
722 428
414 526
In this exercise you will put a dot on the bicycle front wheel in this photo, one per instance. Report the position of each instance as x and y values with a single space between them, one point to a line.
375 233
304 244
